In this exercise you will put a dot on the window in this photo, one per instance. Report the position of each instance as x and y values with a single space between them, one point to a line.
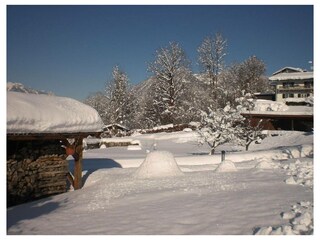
291 95
308 84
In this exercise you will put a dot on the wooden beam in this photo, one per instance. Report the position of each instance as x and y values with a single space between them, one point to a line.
78 156
49 136
70 178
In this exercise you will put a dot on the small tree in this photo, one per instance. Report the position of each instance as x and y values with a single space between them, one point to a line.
218 127
250 129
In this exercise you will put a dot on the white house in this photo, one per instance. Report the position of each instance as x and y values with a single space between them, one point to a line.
292 82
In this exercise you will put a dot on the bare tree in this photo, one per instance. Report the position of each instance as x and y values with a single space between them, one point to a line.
211 59
250 75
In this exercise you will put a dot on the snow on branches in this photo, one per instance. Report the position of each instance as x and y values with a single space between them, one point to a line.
226 124
219 126
171 70
250 130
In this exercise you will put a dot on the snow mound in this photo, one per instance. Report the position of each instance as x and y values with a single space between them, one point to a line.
158 164
103 146
133 147
291 180
226 166
264 165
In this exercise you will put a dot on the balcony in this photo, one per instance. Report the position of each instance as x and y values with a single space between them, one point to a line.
295 88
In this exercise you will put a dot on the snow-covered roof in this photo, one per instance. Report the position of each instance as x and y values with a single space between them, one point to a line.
292 76
116 125
31 113
288 69
268 107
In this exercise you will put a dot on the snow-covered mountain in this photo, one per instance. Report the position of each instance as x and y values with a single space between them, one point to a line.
19 87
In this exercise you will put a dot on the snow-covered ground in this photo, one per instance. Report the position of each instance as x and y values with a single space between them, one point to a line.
267 190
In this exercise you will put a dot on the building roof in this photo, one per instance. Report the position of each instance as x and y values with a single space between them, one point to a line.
272 108
288 70
39 114
292 76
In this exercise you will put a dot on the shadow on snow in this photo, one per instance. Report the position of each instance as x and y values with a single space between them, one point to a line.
93 164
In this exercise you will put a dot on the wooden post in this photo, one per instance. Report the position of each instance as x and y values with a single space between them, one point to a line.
223 155
78 164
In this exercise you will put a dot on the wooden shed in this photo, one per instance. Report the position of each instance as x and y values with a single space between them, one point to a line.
42 131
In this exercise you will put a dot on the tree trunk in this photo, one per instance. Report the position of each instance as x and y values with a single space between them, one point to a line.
247 147
212 151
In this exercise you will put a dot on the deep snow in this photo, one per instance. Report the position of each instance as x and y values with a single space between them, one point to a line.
251 200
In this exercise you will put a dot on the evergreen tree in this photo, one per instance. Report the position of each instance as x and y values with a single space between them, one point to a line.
118 95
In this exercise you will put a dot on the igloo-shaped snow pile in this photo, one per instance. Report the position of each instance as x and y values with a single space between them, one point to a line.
226 166
158 164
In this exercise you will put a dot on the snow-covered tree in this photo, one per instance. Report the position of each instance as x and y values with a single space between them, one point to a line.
171 71
218 126
118 94
211 59
249 129
99 102
246 76
250 75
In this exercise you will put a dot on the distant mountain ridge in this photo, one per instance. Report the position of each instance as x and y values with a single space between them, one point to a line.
19 87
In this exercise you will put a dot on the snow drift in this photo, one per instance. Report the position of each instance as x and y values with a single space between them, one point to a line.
158 164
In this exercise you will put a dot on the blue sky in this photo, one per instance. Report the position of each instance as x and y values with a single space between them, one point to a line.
71 50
